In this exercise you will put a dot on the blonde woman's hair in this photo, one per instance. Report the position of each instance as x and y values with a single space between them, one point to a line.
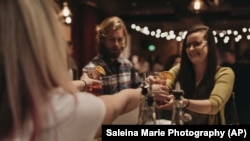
32 62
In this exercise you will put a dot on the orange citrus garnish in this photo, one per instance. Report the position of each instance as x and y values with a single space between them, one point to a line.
166 75
100 69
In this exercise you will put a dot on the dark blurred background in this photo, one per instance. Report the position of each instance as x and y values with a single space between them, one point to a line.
163 15
230 20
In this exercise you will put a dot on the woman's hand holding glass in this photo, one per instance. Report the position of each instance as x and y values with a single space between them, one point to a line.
155 80
165 103
163 99
93 83
89 80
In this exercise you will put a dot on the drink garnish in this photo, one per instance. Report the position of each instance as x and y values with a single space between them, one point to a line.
100 69
166 75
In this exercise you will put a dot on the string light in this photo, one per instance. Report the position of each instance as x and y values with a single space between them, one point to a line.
223 35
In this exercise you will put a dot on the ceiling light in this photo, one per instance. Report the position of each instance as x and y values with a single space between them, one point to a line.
214 2
66 14
197 6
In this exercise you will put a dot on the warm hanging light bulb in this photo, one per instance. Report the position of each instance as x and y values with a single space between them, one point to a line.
65 11
214 2
197 6
65 14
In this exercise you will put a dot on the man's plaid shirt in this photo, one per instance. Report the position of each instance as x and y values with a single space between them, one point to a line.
120 74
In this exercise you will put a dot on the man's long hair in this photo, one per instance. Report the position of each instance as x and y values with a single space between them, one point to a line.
108 25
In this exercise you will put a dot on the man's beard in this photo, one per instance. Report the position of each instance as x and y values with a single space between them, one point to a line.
106 52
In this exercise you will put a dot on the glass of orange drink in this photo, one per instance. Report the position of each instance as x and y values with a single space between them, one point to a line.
95 73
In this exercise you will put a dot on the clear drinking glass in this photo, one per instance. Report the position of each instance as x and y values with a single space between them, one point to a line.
95 88
161 81
158 79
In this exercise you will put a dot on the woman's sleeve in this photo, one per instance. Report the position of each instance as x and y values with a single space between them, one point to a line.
77 116
224 82
174 70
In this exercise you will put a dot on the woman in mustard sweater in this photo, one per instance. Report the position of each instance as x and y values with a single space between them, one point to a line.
207 86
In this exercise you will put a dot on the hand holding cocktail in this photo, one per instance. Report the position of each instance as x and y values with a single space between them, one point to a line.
161 78
92 76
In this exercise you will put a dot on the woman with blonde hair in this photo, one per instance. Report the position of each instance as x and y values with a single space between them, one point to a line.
37 101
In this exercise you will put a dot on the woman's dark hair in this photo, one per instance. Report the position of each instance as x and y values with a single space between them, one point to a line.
186 75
